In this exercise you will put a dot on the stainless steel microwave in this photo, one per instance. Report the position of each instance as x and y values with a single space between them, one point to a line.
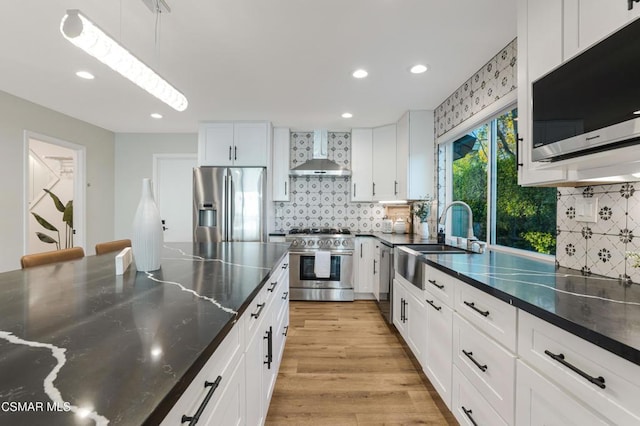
590 103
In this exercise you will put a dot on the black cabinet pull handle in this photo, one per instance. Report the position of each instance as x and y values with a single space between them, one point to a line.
235 152
469 355
229 152
404 304
472 305
374 266
286 330
518 140
469 413
285 266
395 187
598 381
285 295
437 308
194 419
374 188
272 287
285 188
269 338
440 286
256 314
354 189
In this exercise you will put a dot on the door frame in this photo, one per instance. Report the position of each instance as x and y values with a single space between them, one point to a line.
79 187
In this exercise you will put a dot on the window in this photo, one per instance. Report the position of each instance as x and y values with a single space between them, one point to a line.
484 175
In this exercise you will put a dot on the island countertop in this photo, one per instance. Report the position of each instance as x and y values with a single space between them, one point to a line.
604 311
119 349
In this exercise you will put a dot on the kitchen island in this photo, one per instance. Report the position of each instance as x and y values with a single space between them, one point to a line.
80 345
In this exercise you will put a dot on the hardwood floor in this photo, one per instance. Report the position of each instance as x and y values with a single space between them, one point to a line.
343 365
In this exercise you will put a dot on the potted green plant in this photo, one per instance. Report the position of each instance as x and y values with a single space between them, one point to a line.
422 210
67 218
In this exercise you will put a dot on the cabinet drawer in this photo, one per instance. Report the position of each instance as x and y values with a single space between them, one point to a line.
540 402
487 365
440 284
569 361
468 405
221 364
489 314
255 314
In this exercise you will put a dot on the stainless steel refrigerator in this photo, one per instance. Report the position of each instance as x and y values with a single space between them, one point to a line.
229 204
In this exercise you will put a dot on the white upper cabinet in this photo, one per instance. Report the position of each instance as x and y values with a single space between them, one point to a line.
415 152
539 51
240 144
361 164
598 19
280 164
385 185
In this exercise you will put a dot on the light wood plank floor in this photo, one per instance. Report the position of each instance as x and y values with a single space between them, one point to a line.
343 365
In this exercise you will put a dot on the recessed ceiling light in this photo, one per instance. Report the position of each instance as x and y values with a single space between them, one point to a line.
418 69
85 74
156 115
360 73
347 115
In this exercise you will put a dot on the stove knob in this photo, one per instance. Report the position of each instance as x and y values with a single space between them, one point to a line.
345 243
336 243
294 243
303 243
310 243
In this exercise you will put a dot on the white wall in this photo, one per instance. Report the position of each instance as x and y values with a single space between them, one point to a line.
18 115
134 161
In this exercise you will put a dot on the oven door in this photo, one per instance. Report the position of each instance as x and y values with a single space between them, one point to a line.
302 273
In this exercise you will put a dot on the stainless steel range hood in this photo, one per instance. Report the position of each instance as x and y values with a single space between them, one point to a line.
320 165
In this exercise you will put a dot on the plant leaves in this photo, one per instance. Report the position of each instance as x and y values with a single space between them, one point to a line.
44 223
67 215
56 201
45 238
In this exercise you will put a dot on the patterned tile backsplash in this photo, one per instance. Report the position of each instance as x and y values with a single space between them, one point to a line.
324 202
599 248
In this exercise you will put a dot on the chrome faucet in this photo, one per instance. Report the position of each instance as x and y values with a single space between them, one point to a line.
470 237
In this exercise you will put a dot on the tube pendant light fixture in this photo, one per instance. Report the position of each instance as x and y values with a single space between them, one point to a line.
86 35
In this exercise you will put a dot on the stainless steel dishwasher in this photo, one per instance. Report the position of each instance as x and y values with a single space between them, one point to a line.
384 262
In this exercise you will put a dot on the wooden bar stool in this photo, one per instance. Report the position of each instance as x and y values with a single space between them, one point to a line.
63 255
109 246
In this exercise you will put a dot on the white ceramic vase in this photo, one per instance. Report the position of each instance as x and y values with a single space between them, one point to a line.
424 230
147 239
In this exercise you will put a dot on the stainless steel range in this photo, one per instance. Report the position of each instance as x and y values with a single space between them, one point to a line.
321 264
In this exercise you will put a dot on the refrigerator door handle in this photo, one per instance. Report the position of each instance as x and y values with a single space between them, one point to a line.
231 200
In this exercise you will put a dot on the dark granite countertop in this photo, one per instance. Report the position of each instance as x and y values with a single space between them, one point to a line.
119 349
604 311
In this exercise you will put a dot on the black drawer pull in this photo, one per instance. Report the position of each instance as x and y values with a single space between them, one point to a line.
469 413
285 266
269 338
472 305
469 355
272 287
194 419
440 286
285 295
257 313
286 330
598 381
437 308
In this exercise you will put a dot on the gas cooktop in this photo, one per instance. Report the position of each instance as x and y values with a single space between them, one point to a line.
321 231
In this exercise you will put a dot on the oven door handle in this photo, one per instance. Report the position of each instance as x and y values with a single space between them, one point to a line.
311 253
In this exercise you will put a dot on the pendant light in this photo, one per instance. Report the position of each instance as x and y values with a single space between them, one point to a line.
86 35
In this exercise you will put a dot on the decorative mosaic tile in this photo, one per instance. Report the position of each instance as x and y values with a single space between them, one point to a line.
611 213
571 249
606 256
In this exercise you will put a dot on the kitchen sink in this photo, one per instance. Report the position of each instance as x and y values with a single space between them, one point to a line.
435 249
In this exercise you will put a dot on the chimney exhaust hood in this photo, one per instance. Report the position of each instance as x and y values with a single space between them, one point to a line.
320 165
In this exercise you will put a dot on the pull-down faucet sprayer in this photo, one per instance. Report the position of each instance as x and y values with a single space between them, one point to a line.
470 237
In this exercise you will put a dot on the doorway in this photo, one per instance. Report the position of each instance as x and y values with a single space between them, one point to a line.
173 188
54 194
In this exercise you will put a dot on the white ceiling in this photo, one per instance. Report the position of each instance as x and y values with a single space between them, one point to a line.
286 61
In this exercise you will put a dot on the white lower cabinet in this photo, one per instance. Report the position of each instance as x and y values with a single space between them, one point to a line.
487 365
363 264
236 384
469 406
438 347
410 316
218 384
541 402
